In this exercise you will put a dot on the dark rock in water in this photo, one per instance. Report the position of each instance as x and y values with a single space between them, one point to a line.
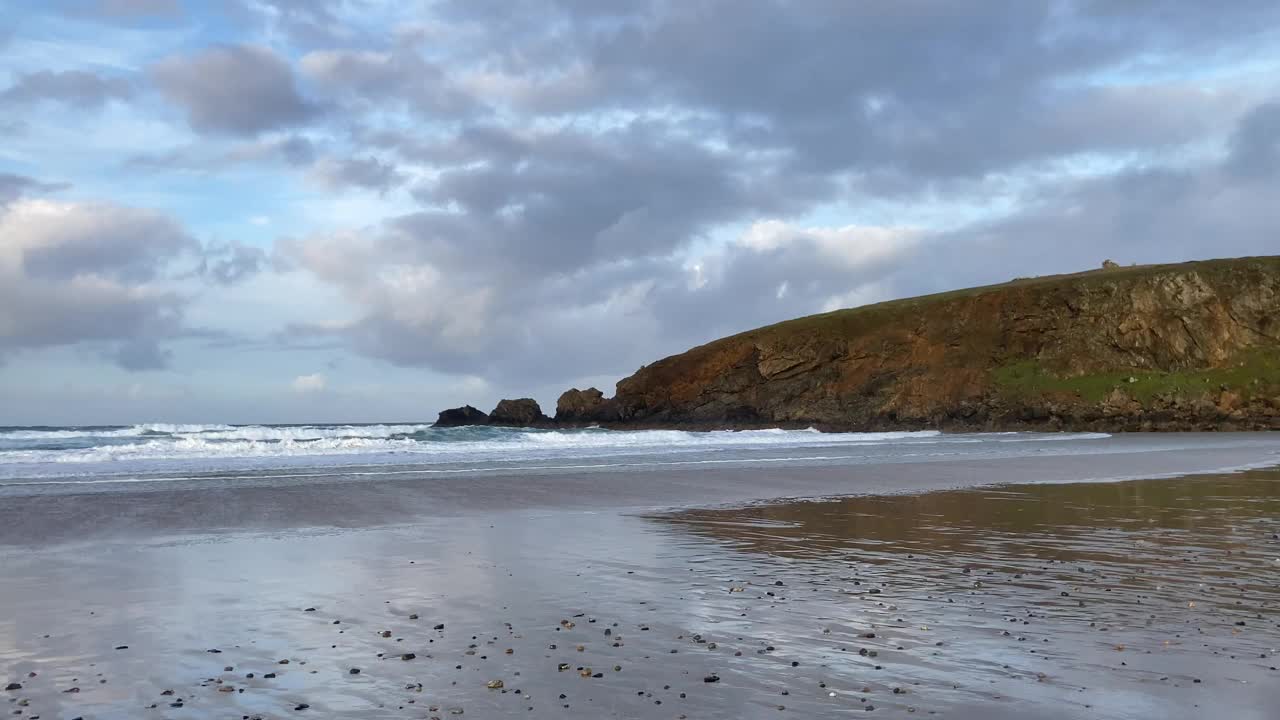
458 417
523 412
13 686
583 406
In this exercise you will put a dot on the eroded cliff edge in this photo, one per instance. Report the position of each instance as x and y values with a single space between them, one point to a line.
1193 346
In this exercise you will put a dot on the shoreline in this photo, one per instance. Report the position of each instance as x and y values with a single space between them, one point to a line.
946 425
1018 600
39 512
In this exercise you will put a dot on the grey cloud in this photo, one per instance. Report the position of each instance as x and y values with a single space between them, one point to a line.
231 263
125 12
291 150
234 90
14 186
295 150
915 90
561 200
322 163
367 172
1255 146
141 355
61 242
77 88
140 8
399 75
74 273
462 300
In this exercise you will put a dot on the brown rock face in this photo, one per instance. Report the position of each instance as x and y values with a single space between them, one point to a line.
582 406
523 412
1189 346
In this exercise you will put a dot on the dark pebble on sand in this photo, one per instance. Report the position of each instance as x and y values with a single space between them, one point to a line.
122 647
13 686
440 626
354 671
302 706
711 679
408 656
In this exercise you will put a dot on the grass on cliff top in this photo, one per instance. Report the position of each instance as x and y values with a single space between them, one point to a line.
1252 373
885 311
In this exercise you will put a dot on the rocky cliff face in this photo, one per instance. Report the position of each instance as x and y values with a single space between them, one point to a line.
1190 346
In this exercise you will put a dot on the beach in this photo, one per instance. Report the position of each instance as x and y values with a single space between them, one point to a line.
742 577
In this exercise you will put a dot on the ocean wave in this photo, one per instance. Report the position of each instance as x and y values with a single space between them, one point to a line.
197 448
108 431
160 442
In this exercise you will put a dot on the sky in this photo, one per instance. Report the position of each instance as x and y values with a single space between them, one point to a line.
370 210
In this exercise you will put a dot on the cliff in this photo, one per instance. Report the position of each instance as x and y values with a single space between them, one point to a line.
1163 347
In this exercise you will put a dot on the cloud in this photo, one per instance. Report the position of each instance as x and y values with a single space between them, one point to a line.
77 88
1255 145
847 88
141 355
400 76
234 90
61 241
14 186
587 186
232 263
126 11
306 22
606 317
454 291
369 173
313 383
136 8
75 272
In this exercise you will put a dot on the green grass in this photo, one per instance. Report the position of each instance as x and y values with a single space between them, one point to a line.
857 318
1255 372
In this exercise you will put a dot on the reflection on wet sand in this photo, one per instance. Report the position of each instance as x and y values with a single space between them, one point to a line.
1130 600
1112 600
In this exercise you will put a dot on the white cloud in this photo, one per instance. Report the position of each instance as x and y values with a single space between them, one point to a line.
849 245
312 383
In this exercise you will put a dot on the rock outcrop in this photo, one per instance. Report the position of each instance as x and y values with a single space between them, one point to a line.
523 412
458 417
583 406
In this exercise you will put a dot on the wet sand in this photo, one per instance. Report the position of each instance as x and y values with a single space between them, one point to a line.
1139 599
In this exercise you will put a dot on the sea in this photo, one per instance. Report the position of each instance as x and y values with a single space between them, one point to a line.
40 459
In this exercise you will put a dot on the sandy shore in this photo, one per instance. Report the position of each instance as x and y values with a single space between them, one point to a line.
1154 598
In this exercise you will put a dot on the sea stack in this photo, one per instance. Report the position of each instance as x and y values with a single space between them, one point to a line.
459 417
